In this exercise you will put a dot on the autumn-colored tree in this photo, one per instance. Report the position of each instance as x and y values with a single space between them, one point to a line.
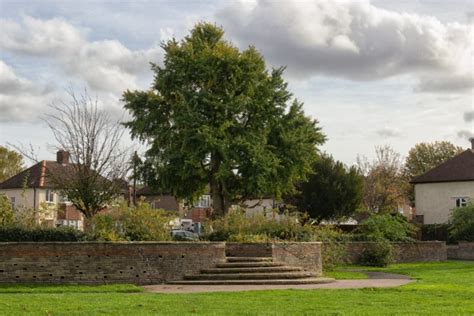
384 184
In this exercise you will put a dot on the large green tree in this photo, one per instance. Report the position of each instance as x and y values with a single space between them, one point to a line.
216 118
332 192
424 157
11 163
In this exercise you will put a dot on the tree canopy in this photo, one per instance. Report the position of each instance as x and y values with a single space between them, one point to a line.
216 118
384 184
332 192
425 156
11 163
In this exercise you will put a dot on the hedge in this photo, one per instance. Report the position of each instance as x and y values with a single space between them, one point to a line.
15 234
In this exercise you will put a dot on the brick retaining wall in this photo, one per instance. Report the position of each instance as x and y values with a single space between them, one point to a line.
234 249
104 262
301 254
403 252
462 251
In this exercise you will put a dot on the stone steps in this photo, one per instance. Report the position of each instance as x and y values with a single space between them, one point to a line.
255 282
252 271
248 264
249 259
251 276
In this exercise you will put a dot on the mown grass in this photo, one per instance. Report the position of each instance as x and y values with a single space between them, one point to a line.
441 289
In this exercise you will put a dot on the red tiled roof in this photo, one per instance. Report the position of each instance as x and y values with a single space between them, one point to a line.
458 168
35 176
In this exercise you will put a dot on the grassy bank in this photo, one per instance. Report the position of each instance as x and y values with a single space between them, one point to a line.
441 288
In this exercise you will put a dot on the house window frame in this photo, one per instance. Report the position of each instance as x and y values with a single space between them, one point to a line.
49 196
461 201
204 201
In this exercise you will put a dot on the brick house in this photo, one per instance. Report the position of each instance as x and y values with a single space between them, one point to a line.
441 189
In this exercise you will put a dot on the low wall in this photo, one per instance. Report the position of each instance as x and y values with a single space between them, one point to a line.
301 254
403 252
234 249
104 262
461 251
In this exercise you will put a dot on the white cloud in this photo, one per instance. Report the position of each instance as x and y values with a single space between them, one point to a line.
20 99
387 132
104 65
354 40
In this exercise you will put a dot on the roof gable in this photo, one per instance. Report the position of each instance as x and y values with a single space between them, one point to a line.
458 168
35 176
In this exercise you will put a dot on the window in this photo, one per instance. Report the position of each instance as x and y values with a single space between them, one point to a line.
204 201
63 199
12 201
49 196
461 201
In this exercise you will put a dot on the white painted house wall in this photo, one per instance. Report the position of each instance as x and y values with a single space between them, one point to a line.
435 201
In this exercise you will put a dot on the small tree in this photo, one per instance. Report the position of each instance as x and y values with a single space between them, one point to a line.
384 184
11 163
332 192
217 118
97 159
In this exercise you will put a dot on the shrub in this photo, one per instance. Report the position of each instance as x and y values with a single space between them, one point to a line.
140 223
237 226
14 234
386 227
6 211
462 223
377 254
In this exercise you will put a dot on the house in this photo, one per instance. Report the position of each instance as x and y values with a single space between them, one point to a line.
32 189
440 190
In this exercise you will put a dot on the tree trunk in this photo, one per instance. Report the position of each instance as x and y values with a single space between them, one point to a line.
220 203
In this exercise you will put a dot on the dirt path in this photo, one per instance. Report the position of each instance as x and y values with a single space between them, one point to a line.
376 280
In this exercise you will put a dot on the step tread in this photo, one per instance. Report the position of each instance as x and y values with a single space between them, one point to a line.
258 275
249 259
251 270
249 264
255 282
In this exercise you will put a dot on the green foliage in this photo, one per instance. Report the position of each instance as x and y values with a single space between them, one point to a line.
11 163
332 192
462 223
377 254
384 185
386 227
237 226
140 223
217 118
15 233
6 211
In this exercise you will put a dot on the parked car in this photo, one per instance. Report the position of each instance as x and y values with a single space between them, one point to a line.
184 235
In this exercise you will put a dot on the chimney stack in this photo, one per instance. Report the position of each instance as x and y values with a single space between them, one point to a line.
62 157
472 143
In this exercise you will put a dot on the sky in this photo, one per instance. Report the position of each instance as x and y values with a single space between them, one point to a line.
372 73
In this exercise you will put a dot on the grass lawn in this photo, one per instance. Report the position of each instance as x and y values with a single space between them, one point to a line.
441 289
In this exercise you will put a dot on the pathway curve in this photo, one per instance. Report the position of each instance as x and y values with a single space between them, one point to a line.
375 280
